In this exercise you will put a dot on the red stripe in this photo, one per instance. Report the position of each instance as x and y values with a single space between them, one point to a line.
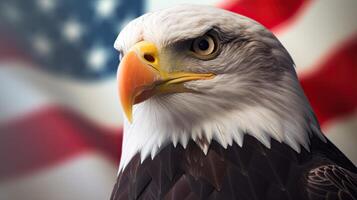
270 13
49 136
332 88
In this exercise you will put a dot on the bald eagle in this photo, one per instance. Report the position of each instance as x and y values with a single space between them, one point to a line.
214 110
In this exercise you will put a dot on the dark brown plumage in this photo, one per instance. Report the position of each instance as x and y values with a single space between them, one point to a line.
250 172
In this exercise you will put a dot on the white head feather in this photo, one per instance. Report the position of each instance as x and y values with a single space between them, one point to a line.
256 90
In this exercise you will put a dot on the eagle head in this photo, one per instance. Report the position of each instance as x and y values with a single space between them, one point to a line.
203 73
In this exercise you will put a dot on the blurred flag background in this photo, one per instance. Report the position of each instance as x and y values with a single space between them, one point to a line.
60 119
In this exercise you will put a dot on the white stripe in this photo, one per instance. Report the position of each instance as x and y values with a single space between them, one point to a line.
88 176
343 133
26 89
18 97
322 27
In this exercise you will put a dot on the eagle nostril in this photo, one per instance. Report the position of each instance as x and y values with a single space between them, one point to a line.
149 58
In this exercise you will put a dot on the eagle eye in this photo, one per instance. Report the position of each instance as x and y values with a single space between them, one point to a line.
204 46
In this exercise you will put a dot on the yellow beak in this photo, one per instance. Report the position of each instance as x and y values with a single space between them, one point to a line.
140 77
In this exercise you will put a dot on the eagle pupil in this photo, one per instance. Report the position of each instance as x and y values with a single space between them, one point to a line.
203 45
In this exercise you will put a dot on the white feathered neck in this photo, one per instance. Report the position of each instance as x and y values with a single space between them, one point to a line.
159 122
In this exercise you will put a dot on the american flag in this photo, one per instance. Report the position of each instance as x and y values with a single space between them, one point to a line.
60 119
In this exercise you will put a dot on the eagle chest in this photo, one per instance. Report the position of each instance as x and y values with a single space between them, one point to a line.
248 172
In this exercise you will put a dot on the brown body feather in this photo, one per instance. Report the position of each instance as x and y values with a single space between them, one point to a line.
250 172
